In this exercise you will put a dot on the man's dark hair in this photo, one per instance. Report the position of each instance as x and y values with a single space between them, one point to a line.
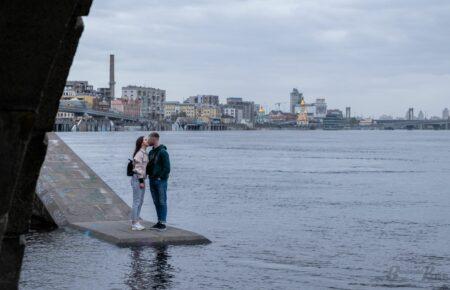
155 135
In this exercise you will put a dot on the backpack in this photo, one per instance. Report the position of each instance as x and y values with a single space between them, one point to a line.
130 168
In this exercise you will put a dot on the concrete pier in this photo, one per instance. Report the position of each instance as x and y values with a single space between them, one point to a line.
75 196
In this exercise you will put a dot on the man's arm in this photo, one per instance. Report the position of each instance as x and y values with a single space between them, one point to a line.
165 162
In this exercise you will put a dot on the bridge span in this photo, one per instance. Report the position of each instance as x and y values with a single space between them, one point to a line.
79 118
441 124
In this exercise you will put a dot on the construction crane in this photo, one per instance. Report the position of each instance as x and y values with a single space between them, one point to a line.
279 105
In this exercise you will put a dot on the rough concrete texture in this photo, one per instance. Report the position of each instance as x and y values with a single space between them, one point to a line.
72 192
76 196
120 233
38 40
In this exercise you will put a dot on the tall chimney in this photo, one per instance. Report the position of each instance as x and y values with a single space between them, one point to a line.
112 83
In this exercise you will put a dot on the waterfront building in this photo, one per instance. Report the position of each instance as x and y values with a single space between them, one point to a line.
227 120
247 107
320 108
78 87
132 108
208 112
90 101
295 98
334 120
445 114
151 100
105 94
235 113
127 107
69 91
117 106
73 103
65 115
366 122
211 100
171 108
189 110
277 116
96 99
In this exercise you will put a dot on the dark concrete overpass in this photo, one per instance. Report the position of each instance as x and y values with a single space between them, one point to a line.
94 120
95 113
39 41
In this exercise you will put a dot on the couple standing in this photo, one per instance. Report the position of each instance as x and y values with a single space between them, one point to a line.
155 165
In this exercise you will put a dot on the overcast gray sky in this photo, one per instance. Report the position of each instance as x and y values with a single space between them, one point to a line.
378 56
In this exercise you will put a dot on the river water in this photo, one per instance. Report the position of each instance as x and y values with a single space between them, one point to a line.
283 209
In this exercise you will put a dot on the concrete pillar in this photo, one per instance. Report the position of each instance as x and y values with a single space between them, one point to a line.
40 39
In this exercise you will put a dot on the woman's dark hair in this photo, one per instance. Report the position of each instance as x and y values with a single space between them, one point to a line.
138 145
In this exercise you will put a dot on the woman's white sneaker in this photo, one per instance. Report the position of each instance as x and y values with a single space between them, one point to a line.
137 227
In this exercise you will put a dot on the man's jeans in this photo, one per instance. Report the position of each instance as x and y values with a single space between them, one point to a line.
138 198
158 188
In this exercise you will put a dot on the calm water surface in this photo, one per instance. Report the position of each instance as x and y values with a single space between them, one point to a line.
284 210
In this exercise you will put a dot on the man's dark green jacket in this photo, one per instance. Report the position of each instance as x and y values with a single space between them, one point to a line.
159 163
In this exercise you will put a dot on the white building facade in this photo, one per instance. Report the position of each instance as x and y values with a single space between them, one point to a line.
152 100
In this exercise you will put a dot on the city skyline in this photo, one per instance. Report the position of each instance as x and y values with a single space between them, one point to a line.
382 67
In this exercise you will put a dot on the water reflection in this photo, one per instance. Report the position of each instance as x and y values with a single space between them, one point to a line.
150 268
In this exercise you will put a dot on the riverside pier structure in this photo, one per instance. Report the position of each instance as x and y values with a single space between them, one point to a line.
70 194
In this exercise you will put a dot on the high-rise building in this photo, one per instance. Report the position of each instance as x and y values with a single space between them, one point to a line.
151 100
203 100
445 114
247 107
295 100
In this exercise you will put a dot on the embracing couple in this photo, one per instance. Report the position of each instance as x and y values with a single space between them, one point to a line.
155 165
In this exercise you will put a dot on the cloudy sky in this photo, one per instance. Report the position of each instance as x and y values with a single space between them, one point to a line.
378 56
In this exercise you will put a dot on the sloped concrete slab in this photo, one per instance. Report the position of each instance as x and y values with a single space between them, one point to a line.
74 195
120 234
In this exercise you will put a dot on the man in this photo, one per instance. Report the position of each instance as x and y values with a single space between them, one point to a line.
158 169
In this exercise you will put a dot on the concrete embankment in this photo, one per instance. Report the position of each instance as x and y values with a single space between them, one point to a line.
75 196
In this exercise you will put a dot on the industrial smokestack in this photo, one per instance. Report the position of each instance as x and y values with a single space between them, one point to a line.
112 82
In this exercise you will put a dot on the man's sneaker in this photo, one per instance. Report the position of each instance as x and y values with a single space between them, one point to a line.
137 227
159 226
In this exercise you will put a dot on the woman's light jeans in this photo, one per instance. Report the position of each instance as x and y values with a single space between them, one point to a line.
138 198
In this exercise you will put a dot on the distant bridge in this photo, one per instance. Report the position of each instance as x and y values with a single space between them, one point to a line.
87 119
106 114
413 124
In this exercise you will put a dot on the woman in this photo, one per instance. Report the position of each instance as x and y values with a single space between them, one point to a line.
140 160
